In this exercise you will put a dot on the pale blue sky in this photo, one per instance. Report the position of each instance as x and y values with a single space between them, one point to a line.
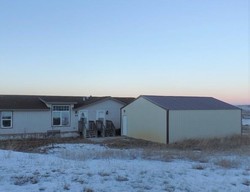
126 48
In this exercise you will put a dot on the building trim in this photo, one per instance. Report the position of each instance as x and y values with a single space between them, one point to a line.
167 126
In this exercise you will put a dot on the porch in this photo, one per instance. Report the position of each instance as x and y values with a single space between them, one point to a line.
91 129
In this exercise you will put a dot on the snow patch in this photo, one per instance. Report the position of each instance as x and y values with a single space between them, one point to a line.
56 171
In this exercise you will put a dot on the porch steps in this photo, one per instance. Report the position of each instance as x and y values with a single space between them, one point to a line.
92 130
97 129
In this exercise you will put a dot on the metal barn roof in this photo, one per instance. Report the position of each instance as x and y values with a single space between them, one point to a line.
188 103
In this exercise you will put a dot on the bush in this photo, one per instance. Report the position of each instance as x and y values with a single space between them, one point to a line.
199 167
226 163
21 180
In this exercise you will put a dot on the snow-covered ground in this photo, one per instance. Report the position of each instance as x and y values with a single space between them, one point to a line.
85 167
245 121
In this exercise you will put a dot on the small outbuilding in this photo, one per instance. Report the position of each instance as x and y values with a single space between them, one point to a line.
167 119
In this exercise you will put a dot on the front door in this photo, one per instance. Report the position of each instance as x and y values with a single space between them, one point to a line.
100 115
124 125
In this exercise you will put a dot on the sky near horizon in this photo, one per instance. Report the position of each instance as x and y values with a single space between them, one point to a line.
126 48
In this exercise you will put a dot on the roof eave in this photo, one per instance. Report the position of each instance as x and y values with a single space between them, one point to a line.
24 109
93 103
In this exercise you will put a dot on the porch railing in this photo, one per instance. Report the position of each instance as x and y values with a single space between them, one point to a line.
96 129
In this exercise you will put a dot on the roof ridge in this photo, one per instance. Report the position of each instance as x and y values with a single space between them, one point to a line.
182 96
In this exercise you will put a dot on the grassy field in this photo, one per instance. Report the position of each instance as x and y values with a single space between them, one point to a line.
185 149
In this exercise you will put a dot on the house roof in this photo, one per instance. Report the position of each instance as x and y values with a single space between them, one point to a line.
188 103
94 100
125 100
18 102
31 102
76 100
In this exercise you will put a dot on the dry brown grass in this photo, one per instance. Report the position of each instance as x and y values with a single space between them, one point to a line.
218 144
227 164
131 143
199 167
246 182
31 145
246 129
150 149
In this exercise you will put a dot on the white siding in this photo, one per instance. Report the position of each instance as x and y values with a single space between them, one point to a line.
190 124
145 121
111 106
29 122
36 122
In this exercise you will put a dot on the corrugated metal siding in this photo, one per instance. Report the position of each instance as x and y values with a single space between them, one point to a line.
187 124
145 120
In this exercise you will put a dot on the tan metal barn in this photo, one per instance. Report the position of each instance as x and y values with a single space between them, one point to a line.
167 119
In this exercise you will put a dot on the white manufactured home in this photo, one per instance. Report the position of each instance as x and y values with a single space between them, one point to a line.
104 109
41 116
167 119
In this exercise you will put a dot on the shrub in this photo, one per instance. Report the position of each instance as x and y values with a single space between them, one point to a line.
121 178
226 163
66 186
199 167
21 180
103 174
88 190
246 182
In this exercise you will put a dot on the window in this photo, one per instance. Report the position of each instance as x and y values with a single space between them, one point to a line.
60 115
6 119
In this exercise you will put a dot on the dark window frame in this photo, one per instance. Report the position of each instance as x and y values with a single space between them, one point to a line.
6 118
